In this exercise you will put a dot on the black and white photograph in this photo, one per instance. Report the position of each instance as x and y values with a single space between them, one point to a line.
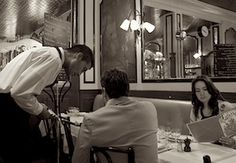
117 81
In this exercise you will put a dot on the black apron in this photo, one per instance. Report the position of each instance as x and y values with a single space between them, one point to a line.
15 136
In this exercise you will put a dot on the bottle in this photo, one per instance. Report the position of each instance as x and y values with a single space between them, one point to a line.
187 147
206 159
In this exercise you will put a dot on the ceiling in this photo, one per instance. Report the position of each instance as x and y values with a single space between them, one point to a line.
22 17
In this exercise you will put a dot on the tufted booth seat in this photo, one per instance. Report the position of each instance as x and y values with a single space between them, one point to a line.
171 113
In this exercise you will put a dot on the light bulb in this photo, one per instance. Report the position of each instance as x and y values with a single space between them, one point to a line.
148 26
134 25
125 25
197 55
183 34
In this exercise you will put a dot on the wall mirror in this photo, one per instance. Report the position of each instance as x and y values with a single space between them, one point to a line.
183 46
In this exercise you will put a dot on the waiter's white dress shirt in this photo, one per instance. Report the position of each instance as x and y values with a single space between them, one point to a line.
121 123
28 74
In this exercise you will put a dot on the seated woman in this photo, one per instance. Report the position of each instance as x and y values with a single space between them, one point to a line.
207 101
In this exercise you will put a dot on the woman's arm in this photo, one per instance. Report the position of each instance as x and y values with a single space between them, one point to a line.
227 141
225 105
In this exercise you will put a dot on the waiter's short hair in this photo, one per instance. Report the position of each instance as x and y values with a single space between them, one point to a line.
88 55
116 83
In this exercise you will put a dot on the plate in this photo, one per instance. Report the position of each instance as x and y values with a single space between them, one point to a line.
181 138
161 146
82 113
171 139
77 114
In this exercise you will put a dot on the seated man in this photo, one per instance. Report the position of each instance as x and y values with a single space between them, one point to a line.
122 122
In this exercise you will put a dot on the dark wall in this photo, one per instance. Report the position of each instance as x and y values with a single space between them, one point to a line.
87 98
226 4
118 47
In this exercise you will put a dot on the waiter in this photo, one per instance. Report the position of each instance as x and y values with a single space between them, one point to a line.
23 78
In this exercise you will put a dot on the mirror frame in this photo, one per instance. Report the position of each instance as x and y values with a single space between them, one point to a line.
225 18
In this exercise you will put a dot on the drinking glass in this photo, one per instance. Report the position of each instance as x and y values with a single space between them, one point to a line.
167 131
176 134
161 136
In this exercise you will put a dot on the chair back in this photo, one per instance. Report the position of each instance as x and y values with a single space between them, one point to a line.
69 137
111 155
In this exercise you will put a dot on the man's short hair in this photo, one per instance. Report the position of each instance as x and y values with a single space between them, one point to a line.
88 55
116 83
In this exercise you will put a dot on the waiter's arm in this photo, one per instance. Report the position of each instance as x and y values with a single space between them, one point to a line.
31 82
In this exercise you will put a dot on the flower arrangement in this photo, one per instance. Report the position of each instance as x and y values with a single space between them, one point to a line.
153 63
151 56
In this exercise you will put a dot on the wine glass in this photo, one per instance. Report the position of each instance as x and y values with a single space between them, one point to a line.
162 136
176 134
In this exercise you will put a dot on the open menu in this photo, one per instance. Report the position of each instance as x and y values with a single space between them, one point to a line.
211 129
228 122
206 130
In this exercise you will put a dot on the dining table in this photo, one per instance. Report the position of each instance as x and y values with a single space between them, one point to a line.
217 154
170 152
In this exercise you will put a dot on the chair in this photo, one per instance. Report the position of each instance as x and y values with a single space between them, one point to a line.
104 154
69 137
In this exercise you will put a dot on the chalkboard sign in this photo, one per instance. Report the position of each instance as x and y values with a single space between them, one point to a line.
225 60
57 32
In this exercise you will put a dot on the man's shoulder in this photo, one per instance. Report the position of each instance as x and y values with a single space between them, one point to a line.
97 112
146 103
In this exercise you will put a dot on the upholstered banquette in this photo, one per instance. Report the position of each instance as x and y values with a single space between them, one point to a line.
171 113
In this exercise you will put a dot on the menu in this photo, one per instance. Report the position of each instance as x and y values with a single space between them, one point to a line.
228 122
211 129
206 130
225 60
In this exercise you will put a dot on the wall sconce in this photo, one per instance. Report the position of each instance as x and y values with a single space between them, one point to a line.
181 35
197 55
136 25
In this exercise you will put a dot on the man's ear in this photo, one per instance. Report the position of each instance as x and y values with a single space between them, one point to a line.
105 96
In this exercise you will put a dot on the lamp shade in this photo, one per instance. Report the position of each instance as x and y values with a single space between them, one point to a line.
148 26
134 25
197 55
125 25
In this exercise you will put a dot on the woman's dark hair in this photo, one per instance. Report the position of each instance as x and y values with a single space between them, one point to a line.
88 55
116 83
213 91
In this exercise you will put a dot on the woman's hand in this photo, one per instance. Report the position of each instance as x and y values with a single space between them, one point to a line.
229 142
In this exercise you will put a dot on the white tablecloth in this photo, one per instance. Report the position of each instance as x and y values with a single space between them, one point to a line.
74 129
218 154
